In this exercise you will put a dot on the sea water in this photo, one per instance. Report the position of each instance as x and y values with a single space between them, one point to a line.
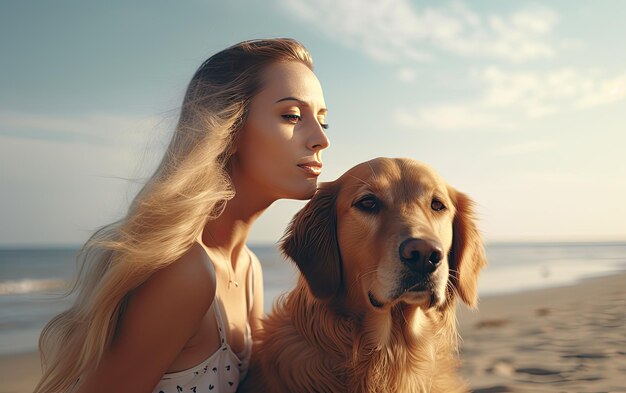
33 280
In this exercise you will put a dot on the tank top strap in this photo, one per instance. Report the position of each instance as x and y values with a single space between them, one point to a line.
250 284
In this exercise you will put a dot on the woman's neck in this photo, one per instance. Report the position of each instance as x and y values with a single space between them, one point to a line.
229 232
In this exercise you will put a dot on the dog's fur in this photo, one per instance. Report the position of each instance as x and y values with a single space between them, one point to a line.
359 320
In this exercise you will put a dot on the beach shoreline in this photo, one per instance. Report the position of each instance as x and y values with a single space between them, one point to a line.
569 338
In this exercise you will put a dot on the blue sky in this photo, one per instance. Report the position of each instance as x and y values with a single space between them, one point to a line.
520 104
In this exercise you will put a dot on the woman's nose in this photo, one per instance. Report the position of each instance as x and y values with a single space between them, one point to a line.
318 139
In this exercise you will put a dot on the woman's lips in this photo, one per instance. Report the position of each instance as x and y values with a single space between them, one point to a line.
312 168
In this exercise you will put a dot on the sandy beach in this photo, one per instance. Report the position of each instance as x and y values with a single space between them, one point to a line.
567 339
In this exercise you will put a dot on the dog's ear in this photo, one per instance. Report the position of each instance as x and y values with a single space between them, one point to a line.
467 255
311 242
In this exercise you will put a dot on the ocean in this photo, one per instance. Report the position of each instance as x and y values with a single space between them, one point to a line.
31 280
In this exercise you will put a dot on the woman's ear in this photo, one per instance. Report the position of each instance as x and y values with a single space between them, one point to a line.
467 255
311 242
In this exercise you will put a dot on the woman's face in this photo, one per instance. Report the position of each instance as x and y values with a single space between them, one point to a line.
279 153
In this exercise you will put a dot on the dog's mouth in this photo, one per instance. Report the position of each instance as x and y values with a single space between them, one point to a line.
419 292
415 284
424 299
411 289
418 295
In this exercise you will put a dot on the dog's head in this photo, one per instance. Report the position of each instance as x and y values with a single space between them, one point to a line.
388 231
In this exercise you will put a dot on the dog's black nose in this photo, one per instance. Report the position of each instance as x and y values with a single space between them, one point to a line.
421 254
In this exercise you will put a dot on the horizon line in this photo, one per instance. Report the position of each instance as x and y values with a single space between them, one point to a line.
502 241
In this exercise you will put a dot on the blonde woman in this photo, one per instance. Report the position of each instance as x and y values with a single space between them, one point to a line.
169 296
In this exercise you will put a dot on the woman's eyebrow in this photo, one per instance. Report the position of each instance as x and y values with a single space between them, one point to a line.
301 102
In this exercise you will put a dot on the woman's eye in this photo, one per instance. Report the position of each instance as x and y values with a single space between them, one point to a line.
292 118
368 204
324 125
437 205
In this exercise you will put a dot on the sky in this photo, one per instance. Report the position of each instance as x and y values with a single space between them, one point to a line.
519 104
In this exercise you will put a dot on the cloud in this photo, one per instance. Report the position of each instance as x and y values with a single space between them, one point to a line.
406 74
543 93
97 128
523 148
518 96
395 31
449 117
605 92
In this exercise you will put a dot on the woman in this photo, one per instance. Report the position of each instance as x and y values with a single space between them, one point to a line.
169 296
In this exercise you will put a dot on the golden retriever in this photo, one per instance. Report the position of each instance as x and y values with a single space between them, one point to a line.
383 251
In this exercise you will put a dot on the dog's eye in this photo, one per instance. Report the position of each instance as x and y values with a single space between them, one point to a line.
437 205
368 203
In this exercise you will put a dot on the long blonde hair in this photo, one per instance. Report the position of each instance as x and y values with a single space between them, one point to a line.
190 186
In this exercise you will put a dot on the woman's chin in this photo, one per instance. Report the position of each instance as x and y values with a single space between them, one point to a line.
305 191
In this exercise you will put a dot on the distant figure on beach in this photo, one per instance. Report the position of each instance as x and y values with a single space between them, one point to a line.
169 297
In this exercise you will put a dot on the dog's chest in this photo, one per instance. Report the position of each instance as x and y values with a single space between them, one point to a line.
374 357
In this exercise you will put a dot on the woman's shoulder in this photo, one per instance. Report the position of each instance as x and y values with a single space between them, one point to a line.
194 265
188 275
196 257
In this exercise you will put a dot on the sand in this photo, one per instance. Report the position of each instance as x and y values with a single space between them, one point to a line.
19 373
568 339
